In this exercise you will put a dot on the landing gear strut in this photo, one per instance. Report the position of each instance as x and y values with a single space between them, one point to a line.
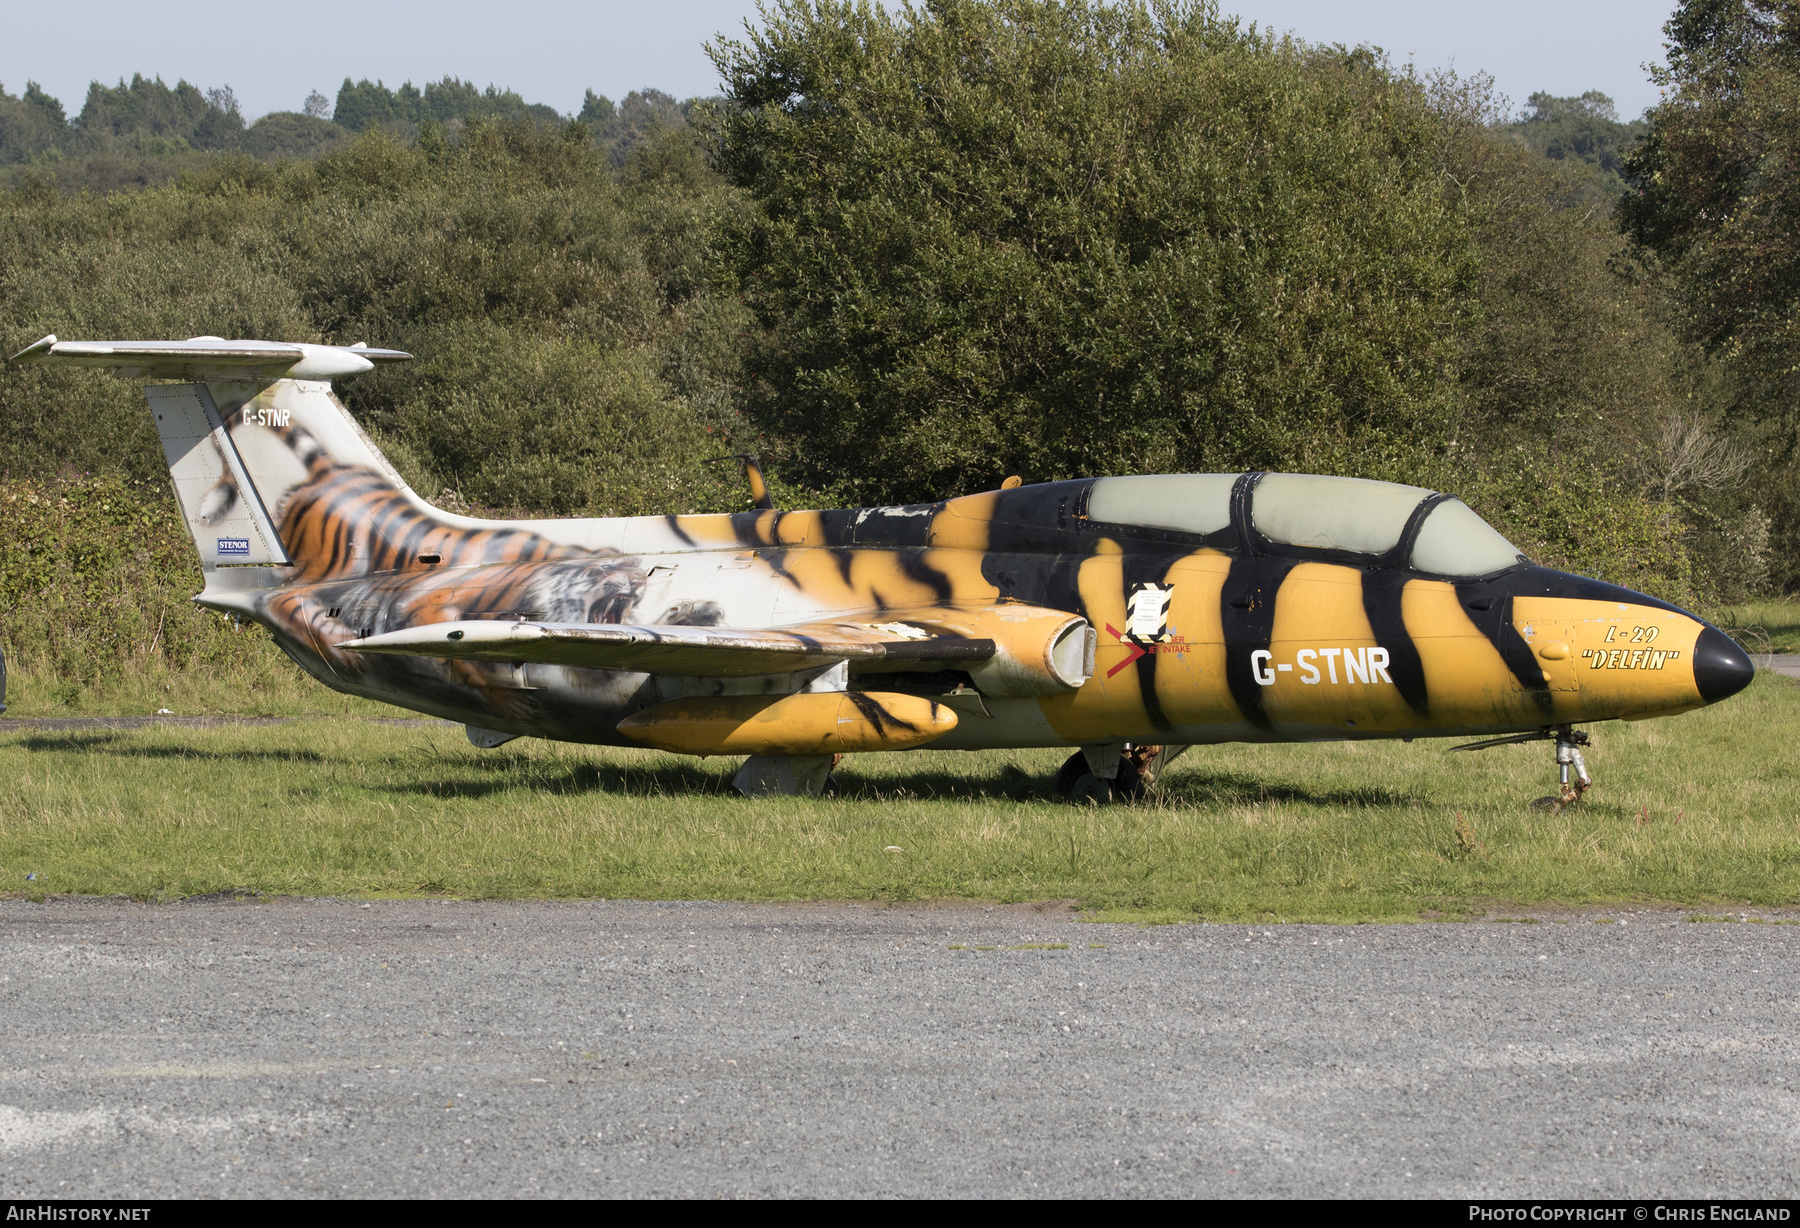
1570 766
1568 756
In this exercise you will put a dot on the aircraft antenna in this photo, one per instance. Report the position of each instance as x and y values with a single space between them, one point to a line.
759 488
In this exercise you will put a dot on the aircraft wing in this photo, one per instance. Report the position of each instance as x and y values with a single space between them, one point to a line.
712 652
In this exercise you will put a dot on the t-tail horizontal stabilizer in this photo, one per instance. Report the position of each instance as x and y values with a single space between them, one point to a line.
209 358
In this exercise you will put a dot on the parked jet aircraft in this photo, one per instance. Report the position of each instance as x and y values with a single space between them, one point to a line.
1128 617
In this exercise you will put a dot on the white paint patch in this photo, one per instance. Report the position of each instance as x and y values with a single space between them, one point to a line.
922 510
21 1130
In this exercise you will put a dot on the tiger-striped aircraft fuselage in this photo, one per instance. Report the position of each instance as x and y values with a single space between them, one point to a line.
1122 616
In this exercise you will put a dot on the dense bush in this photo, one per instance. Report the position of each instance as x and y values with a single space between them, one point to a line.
1057 239
570 357
95 580
549 302
289 134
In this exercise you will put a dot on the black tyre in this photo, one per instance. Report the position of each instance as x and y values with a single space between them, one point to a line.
1076 783
1068 773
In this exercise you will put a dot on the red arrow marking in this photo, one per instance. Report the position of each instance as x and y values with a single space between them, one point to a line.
1137 650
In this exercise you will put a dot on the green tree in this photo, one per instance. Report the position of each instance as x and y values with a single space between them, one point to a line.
640 116
30 125
1716 203
52 109
1712 193
222 126
595 109
146 106
127 136
364 104
1061 238
1584 134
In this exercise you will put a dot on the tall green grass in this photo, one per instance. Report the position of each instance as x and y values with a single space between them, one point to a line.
1764 626
1700 809
264 683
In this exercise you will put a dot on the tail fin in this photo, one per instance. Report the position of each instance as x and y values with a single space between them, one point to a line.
252 436
239 453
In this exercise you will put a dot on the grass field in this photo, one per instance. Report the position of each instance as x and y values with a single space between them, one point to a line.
268 686
1764 626
1701 809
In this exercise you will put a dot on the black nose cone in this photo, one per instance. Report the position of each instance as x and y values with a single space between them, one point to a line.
1721 668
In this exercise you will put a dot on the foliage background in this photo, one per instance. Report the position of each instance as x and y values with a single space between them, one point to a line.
905 255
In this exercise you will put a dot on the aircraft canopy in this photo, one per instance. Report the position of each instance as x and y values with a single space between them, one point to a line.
1338 515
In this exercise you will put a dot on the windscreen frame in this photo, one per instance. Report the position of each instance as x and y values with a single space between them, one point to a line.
1396 556
1242 536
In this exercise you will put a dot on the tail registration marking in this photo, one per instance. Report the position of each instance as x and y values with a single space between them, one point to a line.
264 415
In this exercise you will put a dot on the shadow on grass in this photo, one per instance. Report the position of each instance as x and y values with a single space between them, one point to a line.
573 780
1238 789
123 746
1004 784
489 776
1011 783
1007 783
678 779
68 741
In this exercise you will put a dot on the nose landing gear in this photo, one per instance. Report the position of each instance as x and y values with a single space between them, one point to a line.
1568 755
1570 766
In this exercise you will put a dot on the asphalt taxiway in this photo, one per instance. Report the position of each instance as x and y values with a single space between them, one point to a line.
332 1047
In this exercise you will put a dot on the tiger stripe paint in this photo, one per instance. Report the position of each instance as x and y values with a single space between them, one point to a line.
1188 673
1468 683
1250 593
1446 665
1320 609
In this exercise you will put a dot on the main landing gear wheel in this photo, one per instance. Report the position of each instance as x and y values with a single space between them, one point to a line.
1571 768
1077 784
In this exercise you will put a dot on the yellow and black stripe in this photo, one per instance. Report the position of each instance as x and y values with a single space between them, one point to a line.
1420 654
